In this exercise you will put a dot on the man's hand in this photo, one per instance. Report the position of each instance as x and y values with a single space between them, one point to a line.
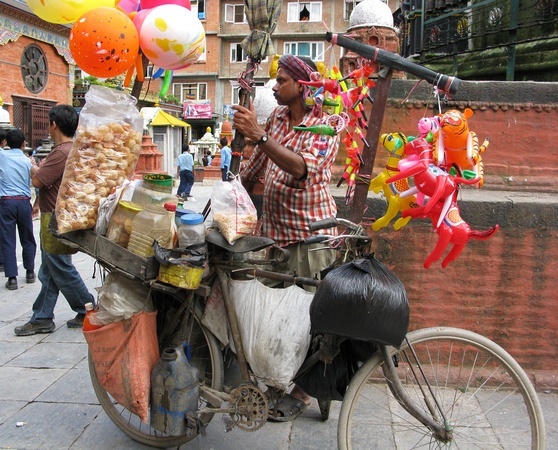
246 121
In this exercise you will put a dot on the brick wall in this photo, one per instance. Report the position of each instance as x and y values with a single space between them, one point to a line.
57 86
518 117
504 288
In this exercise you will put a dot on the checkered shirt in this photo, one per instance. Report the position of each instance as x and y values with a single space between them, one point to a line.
291 205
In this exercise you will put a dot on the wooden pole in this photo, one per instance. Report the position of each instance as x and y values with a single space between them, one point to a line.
381 93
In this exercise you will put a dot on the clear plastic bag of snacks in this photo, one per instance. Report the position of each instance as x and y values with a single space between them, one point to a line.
105 152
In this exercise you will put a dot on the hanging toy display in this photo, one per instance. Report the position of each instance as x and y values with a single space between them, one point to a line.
423 174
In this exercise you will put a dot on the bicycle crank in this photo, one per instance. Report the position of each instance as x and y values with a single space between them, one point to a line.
251 408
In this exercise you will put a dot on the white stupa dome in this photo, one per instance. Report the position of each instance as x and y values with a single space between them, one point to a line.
371 13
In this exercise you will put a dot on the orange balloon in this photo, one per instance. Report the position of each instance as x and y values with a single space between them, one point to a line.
104 42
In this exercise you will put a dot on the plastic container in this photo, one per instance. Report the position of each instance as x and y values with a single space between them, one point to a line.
174 392
179 213
191 230
154 189
89 311
120 225
150 224
171 211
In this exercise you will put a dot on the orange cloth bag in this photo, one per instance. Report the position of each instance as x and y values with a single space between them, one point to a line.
124 353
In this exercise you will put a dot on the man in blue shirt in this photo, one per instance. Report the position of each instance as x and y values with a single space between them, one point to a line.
185 170
226 156
2 145
15 208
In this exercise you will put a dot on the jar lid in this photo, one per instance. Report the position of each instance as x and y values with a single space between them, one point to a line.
180 211
158 179
191 219
130 206
170 206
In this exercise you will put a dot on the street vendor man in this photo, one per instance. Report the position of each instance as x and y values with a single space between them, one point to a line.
296 168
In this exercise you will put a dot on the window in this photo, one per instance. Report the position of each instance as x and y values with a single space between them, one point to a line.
313 50
190 91
304 12
349 6
198 7
236 91
235 14
237 53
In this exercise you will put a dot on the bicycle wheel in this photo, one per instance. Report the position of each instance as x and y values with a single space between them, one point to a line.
464 380
206 357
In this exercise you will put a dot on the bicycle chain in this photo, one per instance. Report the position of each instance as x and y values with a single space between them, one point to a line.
251 407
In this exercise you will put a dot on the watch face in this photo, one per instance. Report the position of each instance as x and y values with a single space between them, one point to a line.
34 69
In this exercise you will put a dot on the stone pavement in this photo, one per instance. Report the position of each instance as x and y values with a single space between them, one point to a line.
45 386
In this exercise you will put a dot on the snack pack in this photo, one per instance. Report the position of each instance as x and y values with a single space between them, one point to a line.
105 152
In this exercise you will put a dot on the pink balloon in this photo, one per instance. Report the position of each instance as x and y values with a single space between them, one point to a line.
128 6
145 4
139 17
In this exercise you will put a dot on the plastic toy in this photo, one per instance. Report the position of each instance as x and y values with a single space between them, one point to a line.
394 144
455 143
451 229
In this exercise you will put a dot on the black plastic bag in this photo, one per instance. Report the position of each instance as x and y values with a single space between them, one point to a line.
361 300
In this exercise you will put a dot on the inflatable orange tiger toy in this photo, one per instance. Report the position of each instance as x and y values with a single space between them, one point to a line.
455 143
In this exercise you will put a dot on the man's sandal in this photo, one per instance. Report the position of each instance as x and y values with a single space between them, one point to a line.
286 408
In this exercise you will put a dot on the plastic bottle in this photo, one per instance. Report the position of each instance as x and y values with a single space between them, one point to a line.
150 224
171 210
174 392
89 311
191 230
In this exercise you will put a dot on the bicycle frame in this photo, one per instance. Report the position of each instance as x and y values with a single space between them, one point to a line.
224 268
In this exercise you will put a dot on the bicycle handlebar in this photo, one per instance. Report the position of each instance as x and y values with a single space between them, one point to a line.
443 82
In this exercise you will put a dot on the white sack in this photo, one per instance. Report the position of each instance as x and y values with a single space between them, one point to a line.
275 329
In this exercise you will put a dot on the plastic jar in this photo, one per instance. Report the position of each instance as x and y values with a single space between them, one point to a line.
120 225
154 191
191 230
150 224
179 213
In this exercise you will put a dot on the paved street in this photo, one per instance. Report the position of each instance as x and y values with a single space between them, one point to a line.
45 387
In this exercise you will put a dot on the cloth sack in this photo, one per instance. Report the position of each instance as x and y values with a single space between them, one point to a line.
49 242
124 354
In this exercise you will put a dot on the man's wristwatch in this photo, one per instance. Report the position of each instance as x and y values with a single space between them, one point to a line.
262 140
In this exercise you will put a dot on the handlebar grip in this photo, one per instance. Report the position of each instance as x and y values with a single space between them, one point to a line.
443 82
323 224
315 239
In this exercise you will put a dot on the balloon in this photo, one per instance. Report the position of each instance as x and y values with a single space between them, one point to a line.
172 37
166 83
139 17
145 4
65 11
128 6
104 42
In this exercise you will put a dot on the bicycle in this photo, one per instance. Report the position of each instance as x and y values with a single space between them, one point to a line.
443 387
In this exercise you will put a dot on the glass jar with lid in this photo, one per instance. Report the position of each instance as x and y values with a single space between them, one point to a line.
120 224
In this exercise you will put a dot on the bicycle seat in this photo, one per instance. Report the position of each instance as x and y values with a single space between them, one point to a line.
241 245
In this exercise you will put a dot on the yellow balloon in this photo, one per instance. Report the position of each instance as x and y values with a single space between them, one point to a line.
65 11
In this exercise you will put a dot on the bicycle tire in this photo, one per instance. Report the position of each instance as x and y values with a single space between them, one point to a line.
486 397
142 432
